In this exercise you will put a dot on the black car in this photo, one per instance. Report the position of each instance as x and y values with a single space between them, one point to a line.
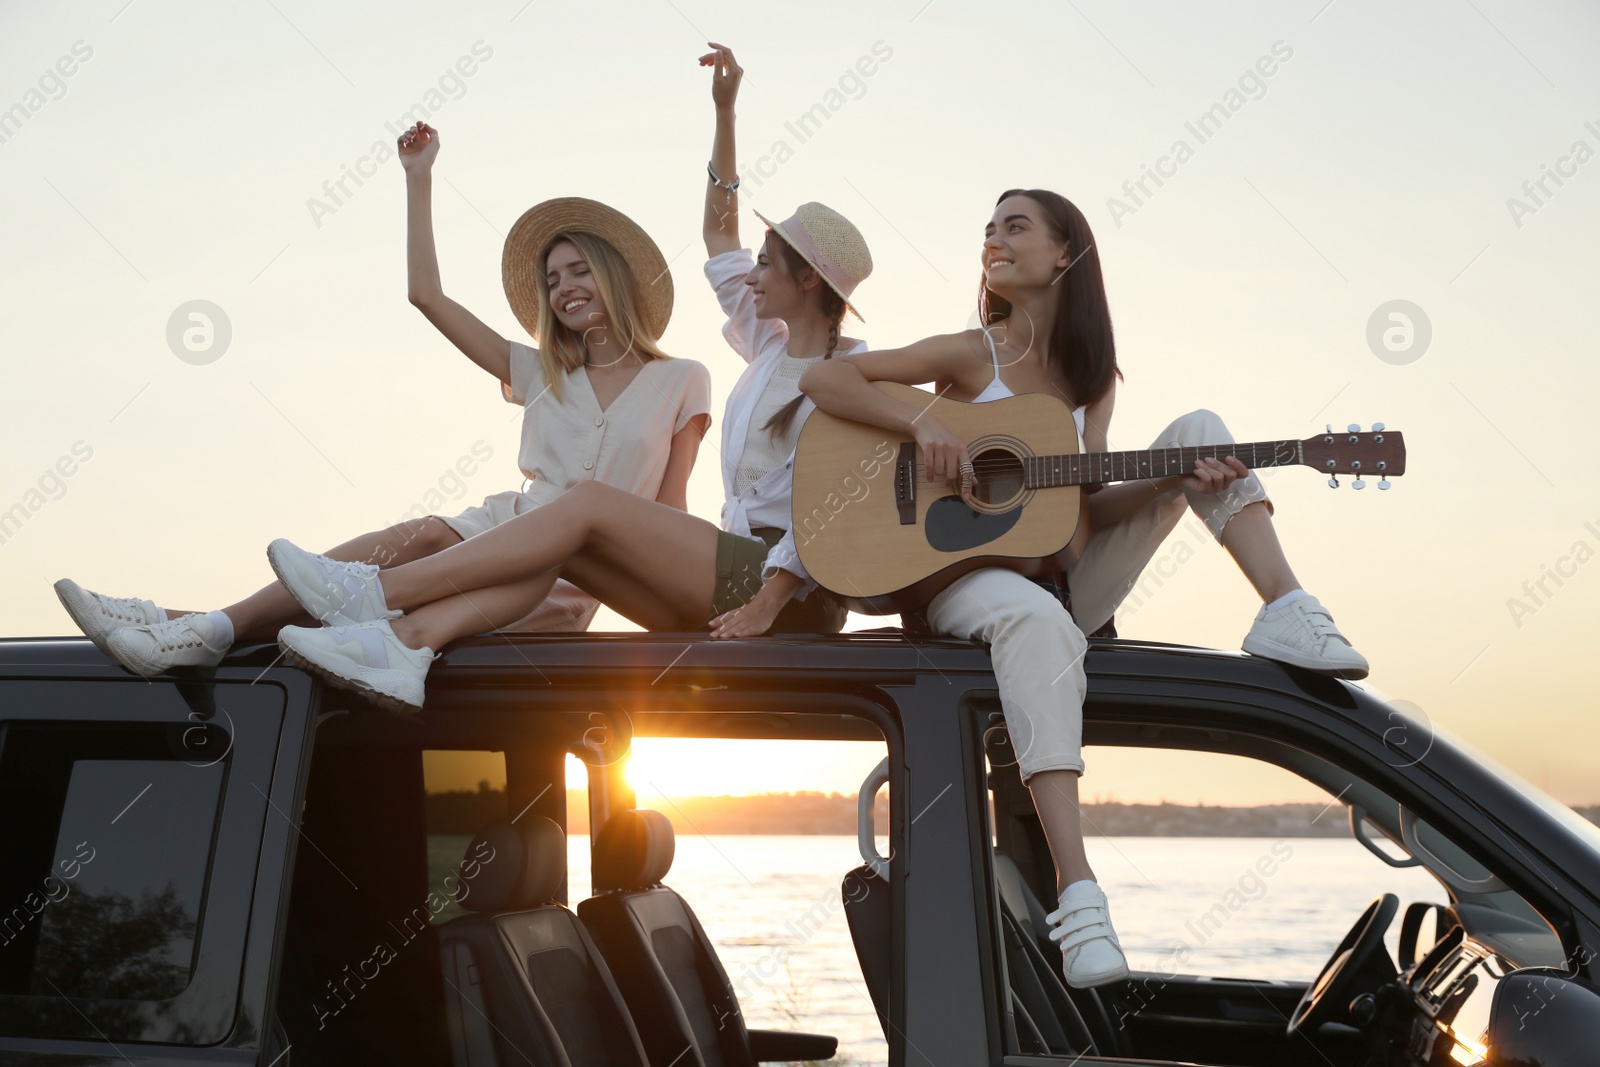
232 866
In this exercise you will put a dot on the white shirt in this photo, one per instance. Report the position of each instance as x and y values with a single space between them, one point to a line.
626 445
763 343
764 449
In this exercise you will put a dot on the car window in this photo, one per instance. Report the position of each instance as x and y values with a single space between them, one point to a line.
763 866
108 836
1256 871
465 791
1228 866
127 929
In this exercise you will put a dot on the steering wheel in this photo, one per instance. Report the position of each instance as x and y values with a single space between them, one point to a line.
1355 957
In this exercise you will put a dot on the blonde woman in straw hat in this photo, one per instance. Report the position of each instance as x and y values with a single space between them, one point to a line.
602 403
1047 329
663 569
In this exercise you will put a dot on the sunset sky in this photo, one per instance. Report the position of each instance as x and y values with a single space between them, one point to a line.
1442 154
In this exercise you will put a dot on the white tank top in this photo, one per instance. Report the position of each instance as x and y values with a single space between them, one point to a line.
998 390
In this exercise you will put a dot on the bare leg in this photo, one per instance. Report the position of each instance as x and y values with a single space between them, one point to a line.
1252 541
619 584
615 584
443 621
664 559
1055 798
563 610
260 615
621 542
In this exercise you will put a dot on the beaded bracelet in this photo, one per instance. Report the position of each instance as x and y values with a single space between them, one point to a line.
718 182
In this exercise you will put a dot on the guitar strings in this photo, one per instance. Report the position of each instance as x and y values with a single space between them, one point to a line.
992 466
1017 463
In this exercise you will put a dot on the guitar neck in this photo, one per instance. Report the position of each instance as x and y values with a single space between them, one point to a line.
1087 468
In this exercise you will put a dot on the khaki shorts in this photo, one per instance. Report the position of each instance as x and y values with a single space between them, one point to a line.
739 564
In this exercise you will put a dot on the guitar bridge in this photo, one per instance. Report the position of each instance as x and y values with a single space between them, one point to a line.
905 483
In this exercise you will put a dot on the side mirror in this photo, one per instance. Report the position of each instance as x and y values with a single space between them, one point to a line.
1543 1017
1420 930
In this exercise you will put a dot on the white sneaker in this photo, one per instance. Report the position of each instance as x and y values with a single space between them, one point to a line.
334 592
1302 634
365 657
184 642
98 616
1091 955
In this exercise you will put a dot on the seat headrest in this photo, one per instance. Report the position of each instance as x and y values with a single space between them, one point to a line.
513 867
634 850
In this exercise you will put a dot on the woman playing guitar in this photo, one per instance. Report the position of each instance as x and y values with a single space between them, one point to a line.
1047 329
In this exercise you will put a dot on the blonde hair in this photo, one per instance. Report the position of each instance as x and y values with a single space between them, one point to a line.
561 349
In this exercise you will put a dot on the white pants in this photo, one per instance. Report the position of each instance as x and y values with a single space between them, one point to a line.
1037 647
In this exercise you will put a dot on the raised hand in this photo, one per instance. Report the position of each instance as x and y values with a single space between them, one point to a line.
725 74
418 147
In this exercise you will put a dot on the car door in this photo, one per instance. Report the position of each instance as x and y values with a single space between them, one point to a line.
146 836
1199 992
1221 900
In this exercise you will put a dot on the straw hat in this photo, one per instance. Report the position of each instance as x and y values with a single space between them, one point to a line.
520 263
830 243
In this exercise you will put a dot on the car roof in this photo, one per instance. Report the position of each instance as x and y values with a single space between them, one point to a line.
886 651
810 662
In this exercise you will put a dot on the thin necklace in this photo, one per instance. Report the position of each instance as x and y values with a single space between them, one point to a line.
613 363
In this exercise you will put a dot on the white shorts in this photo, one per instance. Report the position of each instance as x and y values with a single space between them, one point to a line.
567 607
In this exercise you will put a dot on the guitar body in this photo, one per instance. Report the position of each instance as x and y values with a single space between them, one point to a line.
875 533
881 549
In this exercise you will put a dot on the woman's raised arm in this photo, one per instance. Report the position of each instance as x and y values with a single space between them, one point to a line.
418 147
721 224
842 386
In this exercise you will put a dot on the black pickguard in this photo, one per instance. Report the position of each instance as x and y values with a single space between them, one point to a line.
952 526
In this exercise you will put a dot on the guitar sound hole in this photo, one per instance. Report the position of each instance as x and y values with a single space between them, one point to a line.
999 478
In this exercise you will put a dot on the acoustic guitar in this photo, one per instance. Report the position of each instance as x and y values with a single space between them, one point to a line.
878 533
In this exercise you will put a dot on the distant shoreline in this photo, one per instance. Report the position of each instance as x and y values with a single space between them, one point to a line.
465 812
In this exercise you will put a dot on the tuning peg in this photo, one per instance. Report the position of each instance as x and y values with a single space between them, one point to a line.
1333 481
1359 483
1330 427
1383 483
1354 427
1377 427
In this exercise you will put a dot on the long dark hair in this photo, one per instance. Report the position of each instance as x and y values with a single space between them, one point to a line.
832 306
1081 346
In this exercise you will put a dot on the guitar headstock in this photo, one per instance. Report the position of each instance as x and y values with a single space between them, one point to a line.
1380 451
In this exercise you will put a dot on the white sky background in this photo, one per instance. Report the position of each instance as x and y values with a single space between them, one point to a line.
1376 166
